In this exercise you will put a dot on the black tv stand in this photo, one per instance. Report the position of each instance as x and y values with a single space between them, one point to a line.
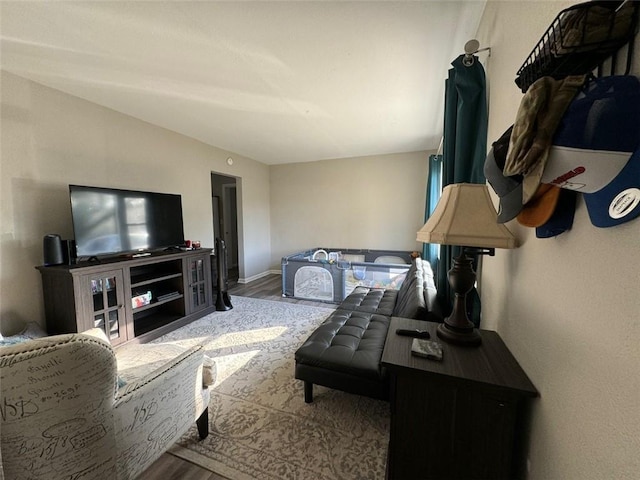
106 294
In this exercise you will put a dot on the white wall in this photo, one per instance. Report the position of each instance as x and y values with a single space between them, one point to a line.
372 202
568 307
51 139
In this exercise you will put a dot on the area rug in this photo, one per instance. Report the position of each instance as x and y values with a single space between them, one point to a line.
260 427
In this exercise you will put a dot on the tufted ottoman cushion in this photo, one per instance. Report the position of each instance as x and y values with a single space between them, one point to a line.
364 299
344 353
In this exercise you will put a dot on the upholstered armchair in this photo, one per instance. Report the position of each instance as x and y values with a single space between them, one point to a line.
64 415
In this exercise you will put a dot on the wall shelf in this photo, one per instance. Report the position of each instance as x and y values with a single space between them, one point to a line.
580 39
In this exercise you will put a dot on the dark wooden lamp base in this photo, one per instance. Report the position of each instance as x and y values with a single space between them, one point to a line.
457 328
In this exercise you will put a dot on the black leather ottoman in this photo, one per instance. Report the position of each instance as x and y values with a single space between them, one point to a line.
344 353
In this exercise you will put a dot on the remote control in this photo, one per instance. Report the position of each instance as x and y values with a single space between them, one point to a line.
413 333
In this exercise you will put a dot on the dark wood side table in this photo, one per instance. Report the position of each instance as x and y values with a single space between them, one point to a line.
462 417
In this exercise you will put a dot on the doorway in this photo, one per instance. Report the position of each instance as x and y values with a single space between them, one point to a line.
225 219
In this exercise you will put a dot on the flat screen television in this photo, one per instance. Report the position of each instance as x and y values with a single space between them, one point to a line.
109 221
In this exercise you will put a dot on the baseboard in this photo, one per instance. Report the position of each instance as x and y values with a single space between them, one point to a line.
259 276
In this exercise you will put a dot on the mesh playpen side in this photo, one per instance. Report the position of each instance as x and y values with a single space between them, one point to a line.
331 274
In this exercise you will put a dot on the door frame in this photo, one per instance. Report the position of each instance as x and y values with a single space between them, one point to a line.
230 222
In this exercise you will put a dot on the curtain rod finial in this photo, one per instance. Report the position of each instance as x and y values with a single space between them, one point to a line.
471 46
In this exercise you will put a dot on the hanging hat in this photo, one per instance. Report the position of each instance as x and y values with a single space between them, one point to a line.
582 169
540 111
619 201
562 218
596 150
541 207
508 189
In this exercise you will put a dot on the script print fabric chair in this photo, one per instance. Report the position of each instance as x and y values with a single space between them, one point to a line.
63 415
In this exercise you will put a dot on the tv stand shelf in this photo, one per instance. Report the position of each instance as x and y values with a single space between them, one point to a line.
99 294
150 279
156 304
159 322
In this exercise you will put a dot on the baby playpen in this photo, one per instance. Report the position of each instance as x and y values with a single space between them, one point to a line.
331 274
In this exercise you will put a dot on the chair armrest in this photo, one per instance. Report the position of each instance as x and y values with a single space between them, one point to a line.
193 357
153 411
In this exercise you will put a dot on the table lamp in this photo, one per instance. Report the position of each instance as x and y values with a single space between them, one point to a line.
464 216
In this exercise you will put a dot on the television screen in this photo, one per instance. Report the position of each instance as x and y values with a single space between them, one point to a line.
109 221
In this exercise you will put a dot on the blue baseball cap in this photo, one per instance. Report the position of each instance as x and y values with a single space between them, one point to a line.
619 201
596 150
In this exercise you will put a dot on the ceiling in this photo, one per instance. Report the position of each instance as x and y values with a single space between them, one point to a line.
278 82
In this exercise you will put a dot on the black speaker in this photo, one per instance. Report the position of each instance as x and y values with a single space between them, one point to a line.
52 249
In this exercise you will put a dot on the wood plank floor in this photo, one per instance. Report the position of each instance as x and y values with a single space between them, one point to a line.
169 467
269 288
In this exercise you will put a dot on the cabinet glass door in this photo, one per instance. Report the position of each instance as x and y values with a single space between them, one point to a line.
108 308
199 287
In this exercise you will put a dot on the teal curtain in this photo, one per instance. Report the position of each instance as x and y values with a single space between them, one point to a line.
431 251
464 152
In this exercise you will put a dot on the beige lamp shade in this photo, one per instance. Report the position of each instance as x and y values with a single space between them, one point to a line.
465 216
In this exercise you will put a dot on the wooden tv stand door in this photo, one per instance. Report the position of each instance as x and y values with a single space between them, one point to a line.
462 417
171 289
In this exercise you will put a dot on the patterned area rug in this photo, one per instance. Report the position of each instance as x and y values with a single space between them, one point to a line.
260 427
